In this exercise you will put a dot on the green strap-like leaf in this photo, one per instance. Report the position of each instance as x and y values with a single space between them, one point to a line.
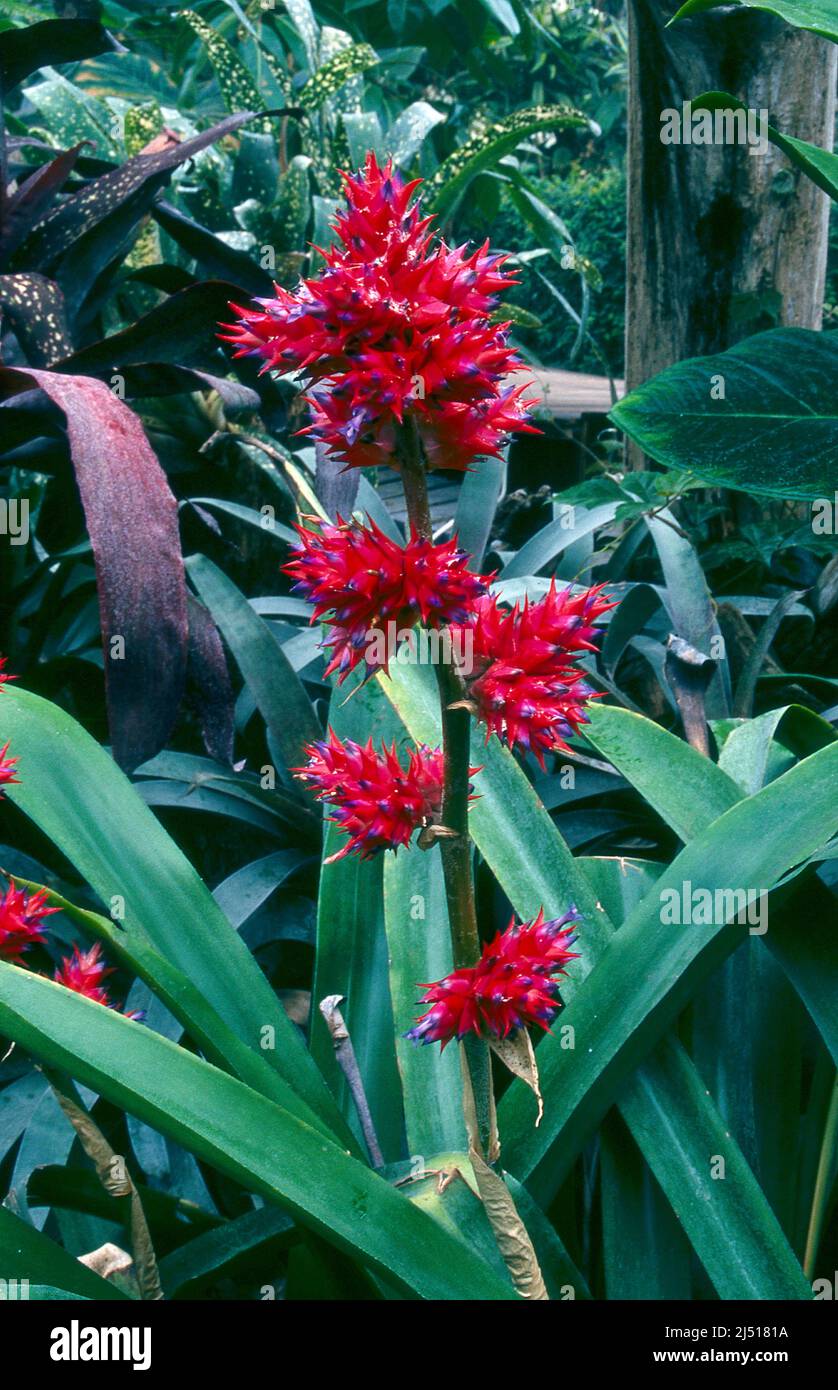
535 868
690 793
266 669
25 1253
72 789
244 1135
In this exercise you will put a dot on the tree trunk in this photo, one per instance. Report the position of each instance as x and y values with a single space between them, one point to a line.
721 242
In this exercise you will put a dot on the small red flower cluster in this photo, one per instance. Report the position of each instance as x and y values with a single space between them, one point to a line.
511 985
83 973
20 921
378 802
22 915
362 582
526 688
7 766
395 326
522 681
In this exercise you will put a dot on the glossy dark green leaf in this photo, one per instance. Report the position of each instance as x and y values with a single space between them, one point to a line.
352 946
773 432
263 664
816 15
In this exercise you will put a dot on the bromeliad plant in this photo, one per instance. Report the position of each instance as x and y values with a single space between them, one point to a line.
629 1068
407 367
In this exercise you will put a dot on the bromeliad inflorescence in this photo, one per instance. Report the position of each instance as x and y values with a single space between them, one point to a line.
512 984
361 582
406 366
396 327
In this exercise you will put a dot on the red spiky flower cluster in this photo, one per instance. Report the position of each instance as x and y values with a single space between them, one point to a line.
83 973
363 582
7 766
511 985
378 802
20 921
397 325
4 675
525 685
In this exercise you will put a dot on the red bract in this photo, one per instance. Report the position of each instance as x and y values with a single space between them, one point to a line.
361 581
83 973
4 675
378 803
526 688
395 326
510 987
7 766
20 921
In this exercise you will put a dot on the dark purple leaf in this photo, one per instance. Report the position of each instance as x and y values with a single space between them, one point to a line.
132 522
82 210
182 330
32 198
213 255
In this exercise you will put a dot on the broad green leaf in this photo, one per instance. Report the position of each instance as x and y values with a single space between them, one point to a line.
483 151
819 16
689 792
352 946
689 603
651 968
90 811
243 892
419 949
266 669
477 503
645 1253
729 1222
774 431
266 524
747 749
28 1254
246 1247
555 537
184 1000
244 1135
